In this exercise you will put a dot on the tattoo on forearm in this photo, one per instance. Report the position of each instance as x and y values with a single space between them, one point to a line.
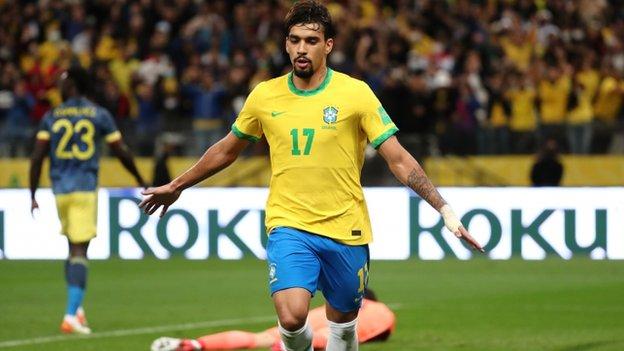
420 183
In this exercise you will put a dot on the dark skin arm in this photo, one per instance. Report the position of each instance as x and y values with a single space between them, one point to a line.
41 149
121 151
215 159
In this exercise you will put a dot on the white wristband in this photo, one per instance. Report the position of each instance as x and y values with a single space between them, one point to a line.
451 221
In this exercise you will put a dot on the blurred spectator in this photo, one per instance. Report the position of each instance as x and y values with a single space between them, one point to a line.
148 121
463 129
517 44
414 113
497 133
554 90
607 106
442 102
17 130
169 105
585 84
547 169
523 122
206 96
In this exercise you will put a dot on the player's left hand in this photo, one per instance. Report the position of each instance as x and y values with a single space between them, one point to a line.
33 206
463 234
161 196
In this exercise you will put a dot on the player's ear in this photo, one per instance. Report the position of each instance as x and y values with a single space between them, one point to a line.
286 45
329 45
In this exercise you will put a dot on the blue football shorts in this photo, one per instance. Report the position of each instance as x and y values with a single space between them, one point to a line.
299 259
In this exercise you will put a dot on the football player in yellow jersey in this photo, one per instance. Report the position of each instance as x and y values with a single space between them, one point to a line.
317 123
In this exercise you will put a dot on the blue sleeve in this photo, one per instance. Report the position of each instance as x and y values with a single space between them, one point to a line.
44 131
107 127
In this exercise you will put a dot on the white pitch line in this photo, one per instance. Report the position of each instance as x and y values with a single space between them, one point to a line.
137 331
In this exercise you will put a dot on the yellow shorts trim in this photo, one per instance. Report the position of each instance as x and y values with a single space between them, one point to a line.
78 214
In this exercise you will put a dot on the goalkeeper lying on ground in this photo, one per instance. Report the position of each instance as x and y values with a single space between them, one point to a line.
375 322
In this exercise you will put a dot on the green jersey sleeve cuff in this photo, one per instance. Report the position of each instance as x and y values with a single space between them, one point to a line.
380 139
242 135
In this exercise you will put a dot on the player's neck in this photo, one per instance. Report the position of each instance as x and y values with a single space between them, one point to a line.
71 97
311 83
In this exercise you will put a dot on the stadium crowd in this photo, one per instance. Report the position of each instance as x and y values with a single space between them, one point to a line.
457 76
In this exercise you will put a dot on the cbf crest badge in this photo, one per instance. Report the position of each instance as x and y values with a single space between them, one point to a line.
330 114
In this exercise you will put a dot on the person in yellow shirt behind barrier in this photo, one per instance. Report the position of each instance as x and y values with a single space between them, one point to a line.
518 47
523 122
498 115
579 122
607 105
553 102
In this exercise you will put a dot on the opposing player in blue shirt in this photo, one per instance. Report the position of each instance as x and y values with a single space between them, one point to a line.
71 135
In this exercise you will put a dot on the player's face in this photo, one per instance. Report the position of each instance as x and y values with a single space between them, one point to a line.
308 49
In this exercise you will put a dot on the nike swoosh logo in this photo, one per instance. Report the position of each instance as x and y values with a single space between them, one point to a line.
275 114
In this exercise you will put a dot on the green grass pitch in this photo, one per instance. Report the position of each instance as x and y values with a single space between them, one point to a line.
479 305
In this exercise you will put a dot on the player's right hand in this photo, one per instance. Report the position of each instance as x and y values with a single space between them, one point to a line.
161 196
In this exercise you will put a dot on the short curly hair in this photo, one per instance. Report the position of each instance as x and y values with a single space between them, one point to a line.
310 12
81 80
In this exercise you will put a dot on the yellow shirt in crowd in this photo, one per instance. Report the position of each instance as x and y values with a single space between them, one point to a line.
609 99
498 118
519 55
584 111
523 117
554 100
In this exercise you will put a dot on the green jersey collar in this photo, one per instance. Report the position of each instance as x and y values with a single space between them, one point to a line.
315 91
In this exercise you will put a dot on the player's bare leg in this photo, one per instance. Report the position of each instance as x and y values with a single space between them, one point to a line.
292 307
342 330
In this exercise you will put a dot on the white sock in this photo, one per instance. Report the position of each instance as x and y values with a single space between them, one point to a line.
196 345
342 336
298 340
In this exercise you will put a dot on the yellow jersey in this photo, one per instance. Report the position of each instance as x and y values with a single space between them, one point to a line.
609 100
518 54
498 117
554 96
317 140
584 111
522 109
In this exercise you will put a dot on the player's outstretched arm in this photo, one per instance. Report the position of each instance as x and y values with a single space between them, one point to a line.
121 151
216 158
409 172
36 161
